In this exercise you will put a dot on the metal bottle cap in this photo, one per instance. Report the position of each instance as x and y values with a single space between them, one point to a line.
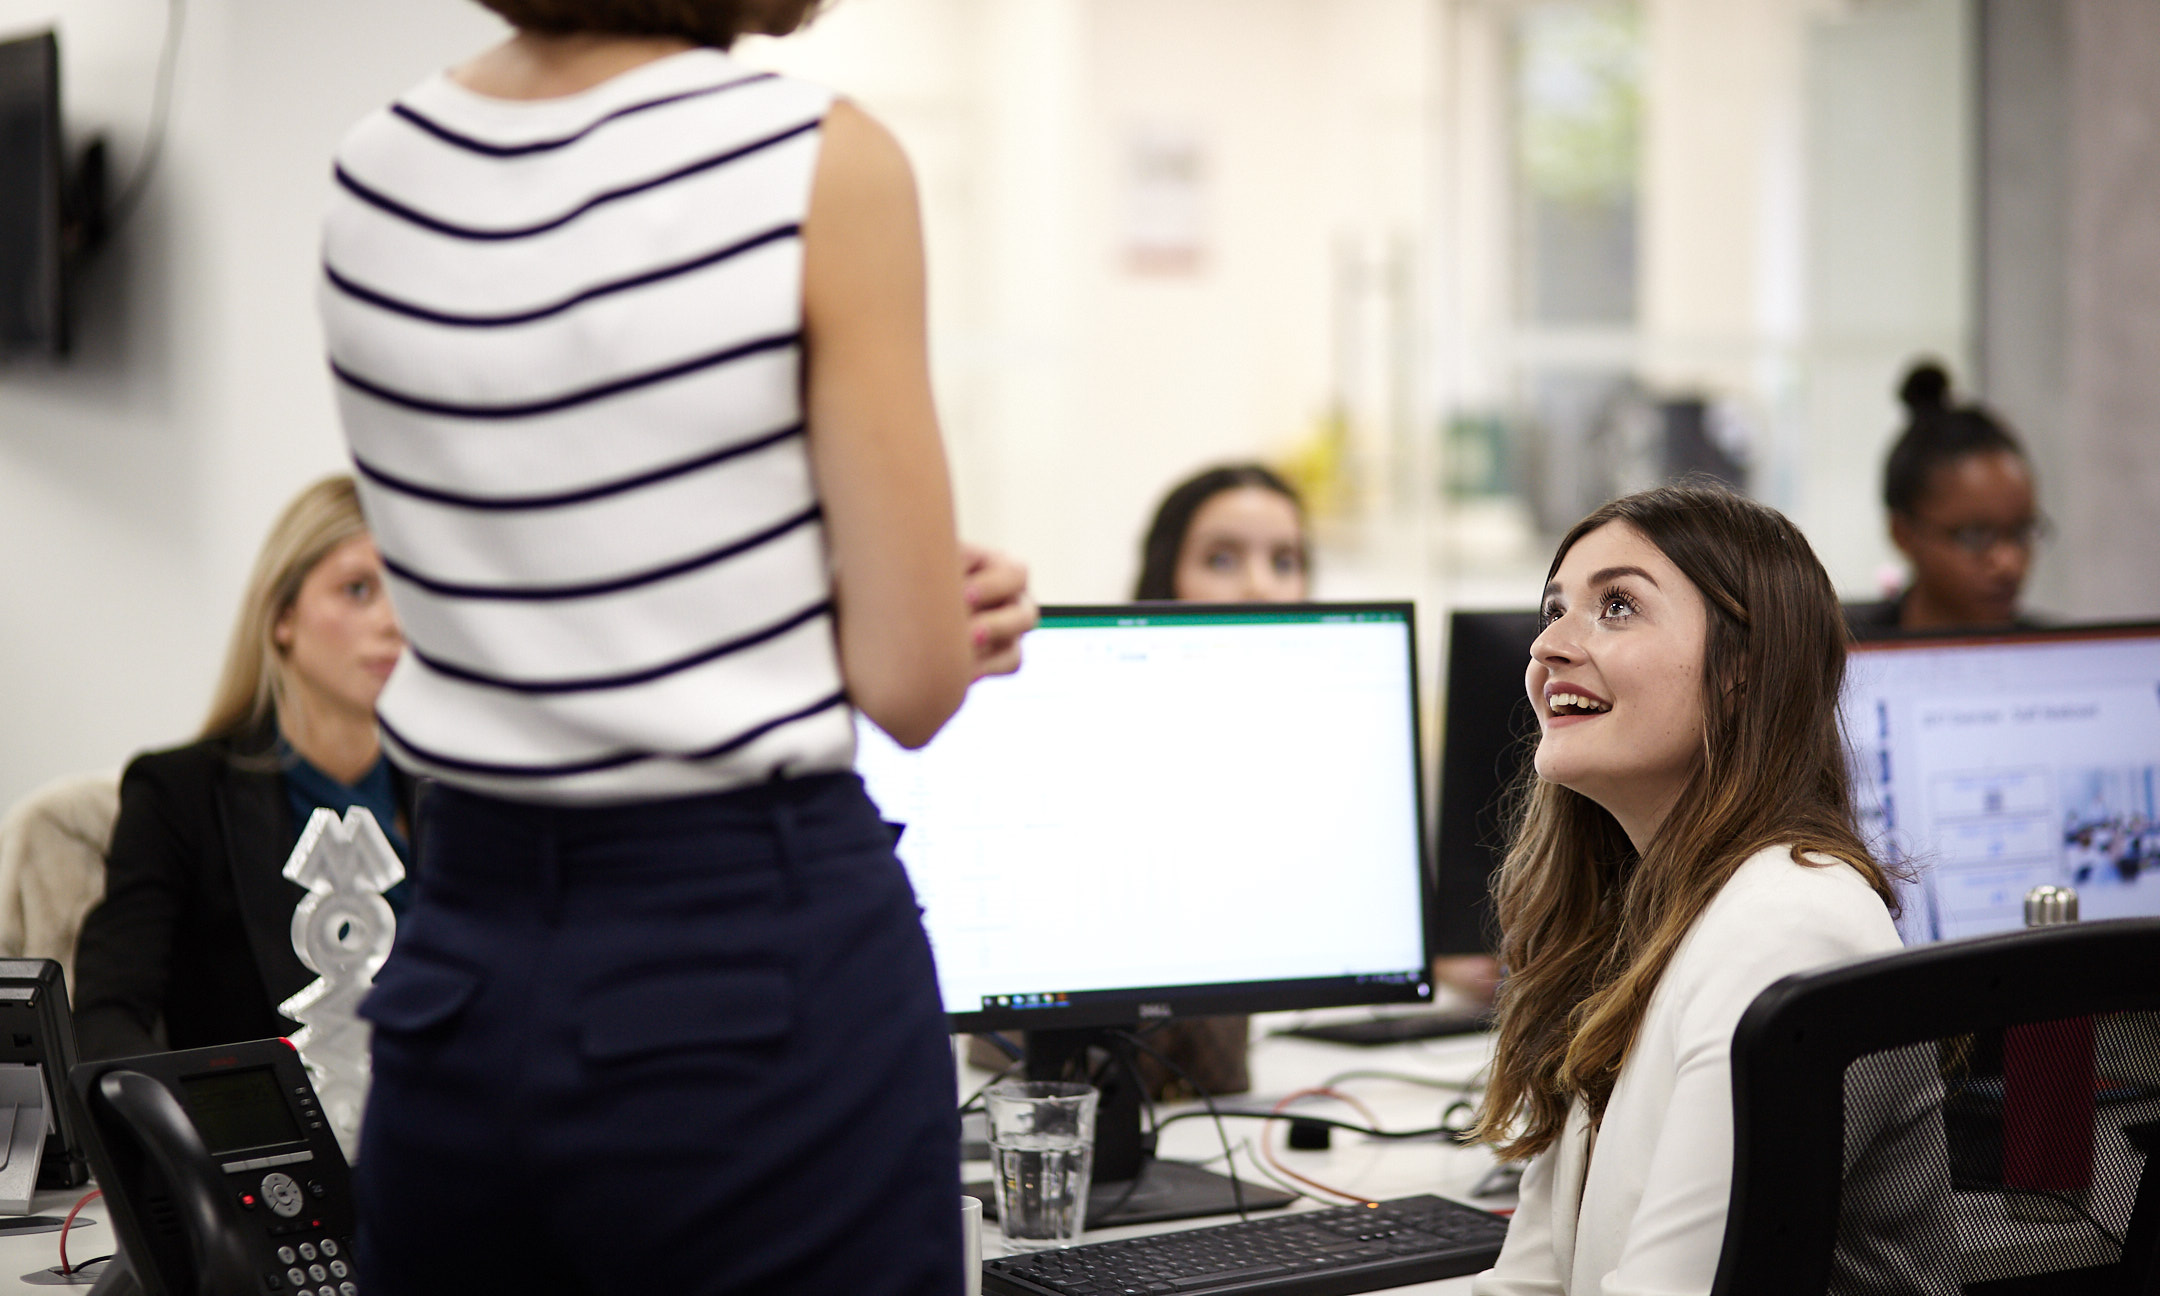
2048 906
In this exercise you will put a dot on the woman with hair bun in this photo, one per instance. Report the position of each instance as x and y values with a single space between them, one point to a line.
1959 490
1687 838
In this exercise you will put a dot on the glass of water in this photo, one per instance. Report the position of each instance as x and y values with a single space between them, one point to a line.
1042 1142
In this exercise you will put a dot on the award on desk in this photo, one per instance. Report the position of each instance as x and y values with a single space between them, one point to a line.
342 930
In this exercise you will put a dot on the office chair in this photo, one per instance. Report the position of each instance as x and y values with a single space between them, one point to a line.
52 866
1922 1123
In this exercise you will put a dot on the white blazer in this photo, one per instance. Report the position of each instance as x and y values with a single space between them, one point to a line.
1645 1215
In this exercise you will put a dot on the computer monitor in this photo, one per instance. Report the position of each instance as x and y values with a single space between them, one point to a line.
1487 738
1170 810
1986 765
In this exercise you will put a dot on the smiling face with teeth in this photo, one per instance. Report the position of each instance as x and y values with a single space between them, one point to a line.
1616 677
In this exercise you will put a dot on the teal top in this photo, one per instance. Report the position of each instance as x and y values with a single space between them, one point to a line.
308 789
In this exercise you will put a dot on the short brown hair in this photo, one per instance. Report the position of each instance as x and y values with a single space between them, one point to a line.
703 22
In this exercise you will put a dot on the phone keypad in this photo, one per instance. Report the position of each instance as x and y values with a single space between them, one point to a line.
313 1268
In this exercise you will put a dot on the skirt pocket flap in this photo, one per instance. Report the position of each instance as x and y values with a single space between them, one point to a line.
662 1012
411 995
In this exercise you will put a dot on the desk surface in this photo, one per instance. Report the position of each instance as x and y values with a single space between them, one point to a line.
23 1255
1279 1066
1373 1168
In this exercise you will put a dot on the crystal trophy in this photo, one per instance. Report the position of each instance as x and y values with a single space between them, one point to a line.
342 930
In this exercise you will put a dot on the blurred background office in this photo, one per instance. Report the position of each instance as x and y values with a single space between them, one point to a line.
1460 269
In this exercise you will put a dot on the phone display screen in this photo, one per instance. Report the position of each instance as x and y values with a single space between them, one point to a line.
236 1110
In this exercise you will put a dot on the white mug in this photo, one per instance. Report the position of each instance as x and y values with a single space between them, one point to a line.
971 1242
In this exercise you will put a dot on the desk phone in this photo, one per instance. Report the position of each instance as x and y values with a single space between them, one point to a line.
221 1174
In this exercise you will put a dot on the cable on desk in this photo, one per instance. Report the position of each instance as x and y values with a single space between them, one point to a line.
1260 1166
1237 1187
976 1098
1267 1149
1459 1133
1147 1104
1329 1091
68 1223
1475 1084
1355 1128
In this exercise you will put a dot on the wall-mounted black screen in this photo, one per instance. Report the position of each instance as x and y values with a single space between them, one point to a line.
31 307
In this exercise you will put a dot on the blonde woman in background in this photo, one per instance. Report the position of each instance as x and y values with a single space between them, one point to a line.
192 945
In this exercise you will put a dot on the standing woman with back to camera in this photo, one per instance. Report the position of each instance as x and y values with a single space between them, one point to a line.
629 343
1687 839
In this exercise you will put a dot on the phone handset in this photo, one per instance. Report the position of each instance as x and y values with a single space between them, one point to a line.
139 1108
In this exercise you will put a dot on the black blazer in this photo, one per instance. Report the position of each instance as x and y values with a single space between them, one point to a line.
196 924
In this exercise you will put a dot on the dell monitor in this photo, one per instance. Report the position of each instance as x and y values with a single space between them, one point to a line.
1985 765
1170 810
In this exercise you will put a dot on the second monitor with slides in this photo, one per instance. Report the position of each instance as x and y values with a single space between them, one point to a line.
1170 810
1986 765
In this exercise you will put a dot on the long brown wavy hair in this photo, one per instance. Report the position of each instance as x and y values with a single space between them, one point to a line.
1587 924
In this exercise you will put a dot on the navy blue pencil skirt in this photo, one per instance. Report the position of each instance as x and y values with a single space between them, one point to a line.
688 1046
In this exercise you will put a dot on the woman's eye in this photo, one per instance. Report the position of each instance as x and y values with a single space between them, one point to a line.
359 591
1616 607
1222 560
1287 563
1552 612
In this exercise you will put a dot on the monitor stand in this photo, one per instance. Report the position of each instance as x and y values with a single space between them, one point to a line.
1130 1185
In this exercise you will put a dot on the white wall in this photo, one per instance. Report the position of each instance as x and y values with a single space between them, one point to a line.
1891 141
137 477
1073 389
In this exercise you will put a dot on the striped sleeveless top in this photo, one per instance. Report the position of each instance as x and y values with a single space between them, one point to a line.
566 336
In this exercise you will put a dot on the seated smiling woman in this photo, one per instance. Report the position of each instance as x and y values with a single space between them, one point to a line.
1686 840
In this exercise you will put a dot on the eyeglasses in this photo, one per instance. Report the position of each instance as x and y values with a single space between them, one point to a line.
1979 539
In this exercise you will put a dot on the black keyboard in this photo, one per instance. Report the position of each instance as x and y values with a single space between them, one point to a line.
1309 1253
1399 1028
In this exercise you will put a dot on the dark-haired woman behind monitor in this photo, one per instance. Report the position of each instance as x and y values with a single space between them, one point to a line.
1963 511
1228 534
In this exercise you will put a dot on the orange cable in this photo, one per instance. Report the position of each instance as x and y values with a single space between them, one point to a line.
69 1222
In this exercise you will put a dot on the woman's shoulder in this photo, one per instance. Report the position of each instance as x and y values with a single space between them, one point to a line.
195 765
1776 916
687 96
1780 903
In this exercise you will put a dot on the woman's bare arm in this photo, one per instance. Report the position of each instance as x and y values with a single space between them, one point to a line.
874 445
